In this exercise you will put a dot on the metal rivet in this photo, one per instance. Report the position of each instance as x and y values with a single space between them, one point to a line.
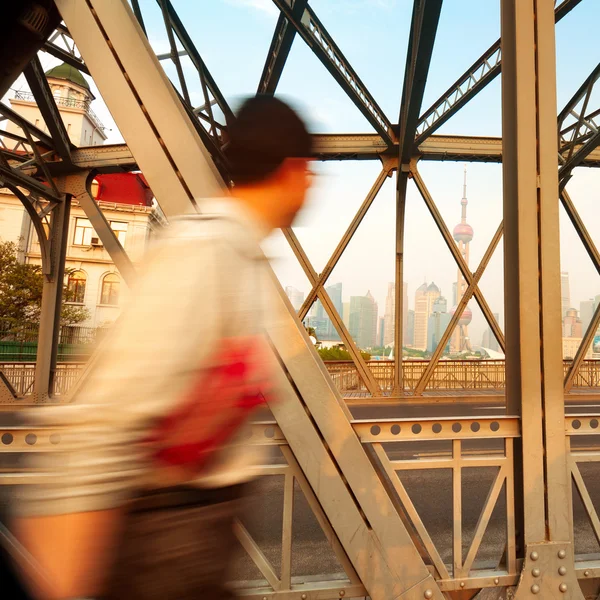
586 573
535 588
562 554
428 594
303 596
563 587
535 572
534 556
562 571
462 584
496 581
342 593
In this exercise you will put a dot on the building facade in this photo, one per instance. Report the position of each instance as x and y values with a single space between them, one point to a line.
425 298
565 293
363 320
295 296
125 198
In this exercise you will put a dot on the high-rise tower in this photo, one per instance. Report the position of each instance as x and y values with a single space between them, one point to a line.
463 234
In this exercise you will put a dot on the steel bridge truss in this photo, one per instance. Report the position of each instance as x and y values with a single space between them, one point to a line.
354 476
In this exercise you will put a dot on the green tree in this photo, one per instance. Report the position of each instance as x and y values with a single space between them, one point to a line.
339 354
21 287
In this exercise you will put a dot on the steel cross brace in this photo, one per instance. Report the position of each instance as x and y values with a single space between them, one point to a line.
45 100
343 243
363 370
68 56
281 44
483 71
462 304
321 43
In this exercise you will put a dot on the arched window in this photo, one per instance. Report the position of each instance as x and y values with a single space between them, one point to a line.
76 287
110 289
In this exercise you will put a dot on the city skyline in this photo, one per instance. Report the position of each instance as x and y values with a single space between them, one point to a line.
574 324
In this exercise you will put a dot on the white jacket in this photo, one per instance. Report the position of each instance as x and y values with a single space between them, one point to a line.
201 280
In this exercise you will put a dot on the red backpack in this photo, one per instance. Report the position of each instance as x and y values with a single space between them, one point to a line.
219 402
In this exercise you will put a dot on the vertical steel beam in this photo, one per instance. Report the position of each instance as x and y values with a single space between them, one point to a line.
402 183
532 276
52 302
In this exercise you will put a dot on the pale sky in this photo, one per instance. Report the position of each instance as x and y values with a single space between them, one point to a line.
233 37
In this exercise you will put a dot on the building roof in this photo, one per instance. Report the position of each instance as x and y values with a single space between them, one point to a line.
68 73
124 188
432 287
422 288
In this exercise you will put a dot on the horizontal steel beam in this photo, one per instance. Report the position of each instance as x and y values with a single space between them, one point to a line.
338 147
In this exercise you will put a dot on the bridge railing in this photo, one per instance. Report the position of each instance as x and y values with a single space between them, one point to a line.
449 375
465 375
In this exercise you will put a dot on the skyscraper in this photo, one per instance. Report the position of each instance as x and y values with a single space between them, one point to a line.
335 293
319 320
489 339
463 234
440 305
346 314
586 312
363 320
425 296
381 331
565 293
409 339
388 315
572 326
296 297
390 312
436 326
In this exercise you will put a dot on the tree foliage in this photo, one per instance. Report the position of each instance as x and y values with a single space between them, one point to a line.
21 287
339 354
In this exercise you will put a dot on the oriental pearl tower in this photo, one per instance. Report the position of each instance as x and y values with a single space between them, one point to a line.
463 234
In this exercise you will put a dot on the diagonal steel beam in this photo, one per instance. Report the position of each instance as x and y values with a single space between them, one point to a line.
578 95
579 139
594 254
190 48
483 71
281 44
321 43
45 100
65 56
24 124
460 308
460 261
425 19
361 366
343 244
